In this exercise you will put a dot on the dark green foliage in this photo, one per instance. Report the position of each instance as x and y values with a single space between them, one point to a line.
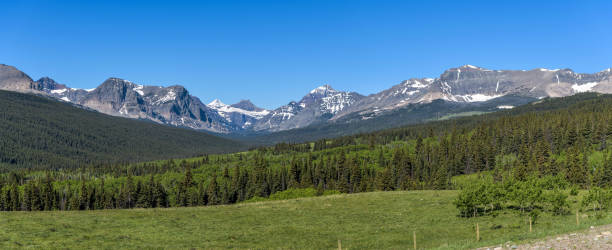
531 195
597 199
530 152
36 132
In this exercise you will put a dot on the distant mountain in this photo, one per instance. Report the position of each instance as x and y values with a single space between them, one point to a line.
247 105
243 114
318 106
167 105
323 105
475 84
14 80
40 132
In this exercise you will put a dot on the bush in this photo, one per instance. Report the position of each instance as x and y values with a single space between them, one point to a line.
558 203
534 214
479 196
574 190
597 198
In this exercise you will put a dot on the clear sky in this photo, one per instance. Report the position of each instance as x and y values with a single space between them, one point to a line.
275 51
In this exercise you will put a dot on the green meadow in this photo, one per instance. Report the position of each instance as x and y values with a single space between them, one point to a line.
377 220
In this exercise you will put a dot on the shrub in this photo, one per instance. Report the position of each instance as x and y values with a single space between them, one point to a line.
574 190
558 203
598 198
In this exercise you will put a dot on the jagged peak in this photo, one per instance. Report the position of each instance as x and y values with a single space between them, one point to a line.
216 103
49 84
115 80
244 101
246 104
46 78
323 89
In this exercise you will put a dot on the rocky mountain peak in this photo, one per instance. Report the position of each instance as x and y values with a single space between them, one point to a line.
48 84
175 106
13 79
247 105
216 104
471 67
323 90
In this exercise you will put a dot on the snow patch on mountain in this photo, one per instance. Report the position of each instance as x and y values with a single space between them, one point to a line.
584 87
59 91
224 110
477 97
548 70
322 90
138 89
170 96
336 103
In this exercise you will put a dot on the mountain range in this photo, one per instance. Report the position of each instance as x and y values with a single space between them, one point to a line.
324 105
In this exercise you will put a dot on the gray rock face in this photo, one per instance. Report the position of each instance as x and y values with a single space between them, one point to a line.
242 115
175 106
14 80
247 105
474 84
171 105
319 105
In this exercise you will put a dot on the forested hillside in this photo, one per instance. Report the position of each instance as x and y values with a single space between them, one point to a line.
564 139
37 132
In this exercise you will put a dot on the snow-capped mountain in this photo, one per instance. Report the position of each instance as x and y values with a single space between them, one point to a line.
243 114
174 105
171 105
319 105
475 84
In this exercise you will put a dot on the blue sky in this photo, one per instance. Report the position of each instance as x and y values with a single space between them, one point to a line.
275 51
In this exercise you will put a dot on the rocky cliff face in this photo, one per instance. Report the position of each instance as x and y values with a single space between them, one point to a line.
168 105
174 105
14 80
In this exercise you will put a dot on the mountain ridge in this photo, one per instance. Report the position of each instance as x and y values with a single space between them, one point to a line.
174 105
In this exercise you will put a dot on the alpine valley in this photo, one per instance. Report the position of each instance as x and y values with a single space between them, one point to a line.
457 91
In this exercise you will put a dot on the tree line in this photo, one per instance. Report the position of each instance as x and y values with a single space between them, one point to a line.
565 139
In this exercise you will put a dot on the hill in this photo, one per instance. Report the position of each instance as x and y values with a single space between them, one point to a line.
305 223
39 132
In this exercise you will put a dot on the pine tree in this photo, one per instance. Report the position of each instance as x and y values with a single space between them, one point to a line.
213 191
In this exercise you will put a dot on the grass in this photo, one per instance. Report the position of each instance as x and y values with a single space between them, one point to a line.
461 114
380 220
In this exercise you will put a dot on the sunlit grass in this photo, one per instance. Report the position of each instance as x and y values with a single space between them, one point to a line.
361 221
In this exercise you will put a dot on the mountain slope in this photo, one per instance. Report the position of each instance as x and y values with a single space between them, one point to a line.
323 106
319 105
467 84
364 122
171 105
39 132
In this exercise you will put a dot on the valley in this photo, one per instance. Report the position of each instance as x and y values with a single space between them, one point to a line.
305 125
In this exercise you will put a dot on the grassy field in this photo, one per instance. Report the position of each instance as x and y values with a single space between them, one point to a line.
380 220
